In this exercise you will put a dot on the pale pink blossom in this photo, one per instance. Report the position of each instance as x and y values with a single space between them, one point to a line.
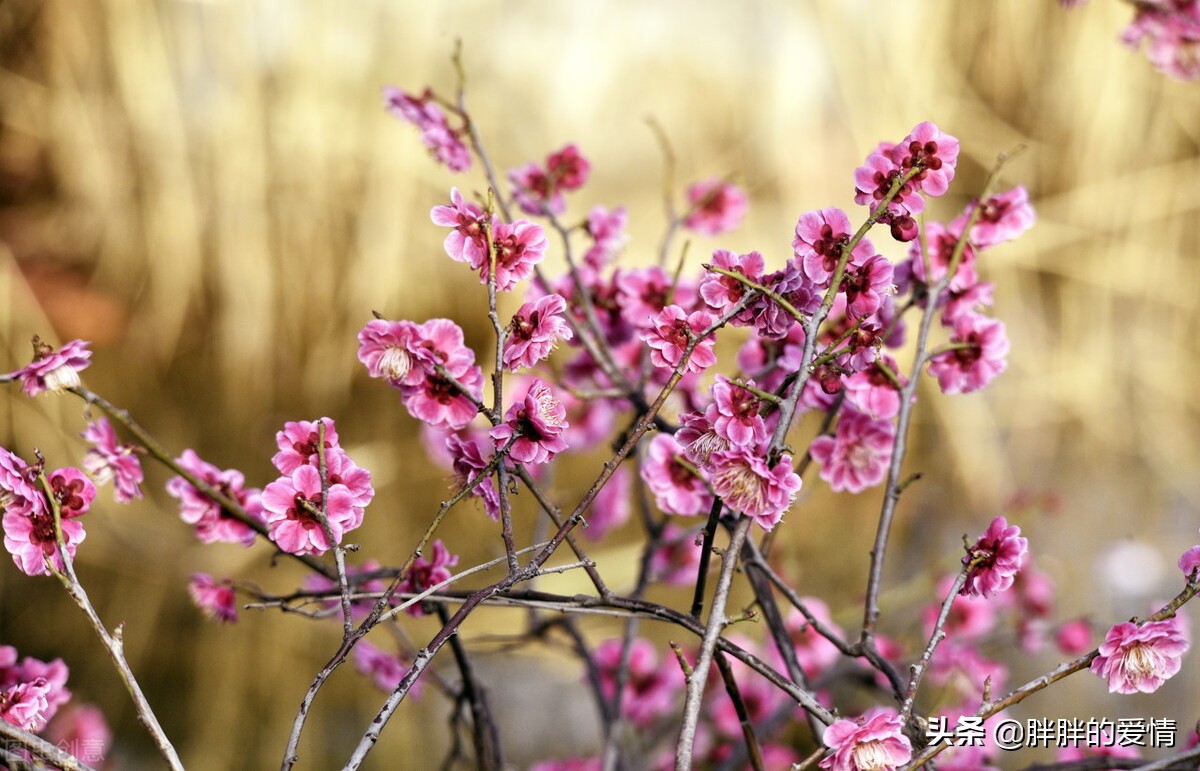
534 330
970 617
83 729
748 485
47 678
611 508
960 667
110 461
51 370
1140 658
874 741
217 600
715 207
698 438
467 239
857 455
390 350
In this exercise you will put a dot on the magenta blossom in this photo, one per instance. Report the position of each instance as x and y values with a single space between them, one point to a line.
216 600
722 292
1190 561
698 437
874 741
934 152
567 168
298 444
736 415
995 559
535 192
443 143
51 370
715 207
611 508
820 238
1074 637
1005 216
468 460
941 243
109 461
426 573
30 539
607 229
537 422
519 246
748 485
642 293
73 491
1171 30
872 392
672 332
289 506
467 240
678 487
874 179
677 559
650 688
857 456
865 285
385 669
211 521
24 705
1140 658
981 357
439 402
390 350
19 489
534 330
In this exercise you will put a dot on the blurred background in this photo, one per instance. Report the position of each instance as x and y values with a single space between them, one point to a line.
212 193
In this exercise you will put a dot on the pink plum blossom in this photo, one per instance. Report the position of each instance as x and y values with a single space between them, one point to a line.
677 488
874 741
427 572
24 705
874 179
534 330
736 415
293 526
51 370
73 491
699 438
385 669
110 461
443 143
748 485
980 359
1190 561
519 246
650 688
211 521
676 561
467 239
611 508
607 229
940 244
722 292
567 168
995 559
642 293
857 455
19 489
671 334
1171 31
537 422
30 538
535 192
962 668
873 393
299 441
467 458
1074 637
814 652
216 599
715 207
389 350
820 237
1004 217
439 402
865 285
1140 658
81 727
935 152
970 618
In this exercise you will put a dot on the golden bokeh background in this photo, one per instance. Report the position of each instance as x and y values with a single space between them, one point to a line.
212 192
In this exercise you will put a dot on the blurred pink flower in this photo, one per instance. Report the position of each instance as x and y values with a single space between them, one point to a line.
51 370
110 461
216 599
715 207
857 455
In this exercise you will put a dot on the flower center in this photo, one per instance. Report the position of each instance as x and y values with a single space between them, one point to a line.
870 756
1141 661
395 363
61 378
745 489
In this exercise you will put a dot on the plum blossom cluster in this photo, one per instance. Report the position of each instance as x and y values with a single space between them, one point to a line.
444 143
539 189
31 691
1169 33
322 493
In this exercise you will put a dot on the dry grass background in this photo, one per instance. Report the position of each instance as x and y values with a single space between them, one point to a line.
212 192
